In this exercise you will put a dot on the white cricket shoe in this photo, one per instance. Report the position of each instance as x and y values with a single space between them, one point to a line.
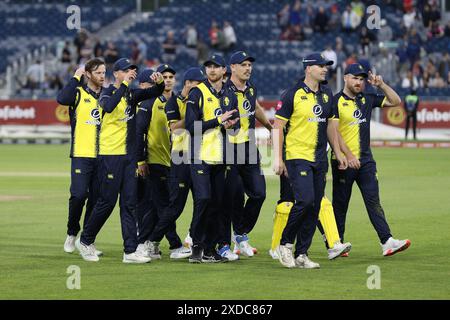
285 255
188 241
97 252
88 252
144 249
243 246
304 262
392 246
339 249
135 257
273 254
69 244
180 253
226 252
154 251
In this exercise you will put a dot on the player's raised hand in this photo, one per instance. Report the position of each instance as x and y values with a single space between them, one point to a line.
130 75
375 80
157 77
79 72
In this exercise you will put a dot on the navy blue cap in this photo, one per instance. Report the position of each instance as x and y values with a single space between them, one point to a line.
166 68
228 73
356 69
316 59
240 56
124 64
144 76
216 59
194 74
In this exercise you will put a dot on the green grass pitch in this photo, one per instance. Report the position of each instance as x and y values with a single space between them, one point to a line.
34 192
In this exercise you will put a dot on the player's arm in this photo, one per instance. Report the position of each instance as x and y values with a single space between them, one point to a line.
353 162
143 117
392 99
139 95
109 100
284 111
335 143
173 114
260 115
69 94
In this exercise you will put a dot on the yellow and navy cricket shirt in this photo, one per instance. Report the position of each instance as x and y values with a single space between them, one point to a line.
153 132
247 109
84 118
354 121
176 111
203 108
307 114
118 128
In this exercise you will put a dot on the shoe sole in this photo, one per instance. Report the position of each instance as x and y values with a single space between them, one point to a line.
180 257
346 250
195 261
90 260
68 251
404 247
136 262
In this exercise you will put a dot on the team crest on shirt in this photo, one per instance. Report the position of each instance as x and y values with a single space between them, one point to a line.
251 92
226 101
325 98
363 100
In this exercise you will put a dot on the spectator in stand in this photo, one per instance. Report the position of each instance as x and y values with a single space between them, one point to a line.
444 65
413 49
330 55
136 55
66 54
410 81
170 46
385 32
365 40
408 18
350 20
98 48
230 36
435 31
335 17
341 52
295 15
214 35
359 8
111 55
447 30
80 41
191 36
351 60
35 75
426 15
321 21
142 46
283 17
436 81
202 51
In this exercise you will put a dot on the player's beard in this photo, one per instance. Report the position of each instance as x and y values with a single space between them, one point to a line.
355 90
96 81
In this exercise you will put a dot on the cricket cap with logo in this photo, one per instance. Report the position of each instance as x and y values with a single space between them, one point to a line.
356 69
316 59
144 76
216 59
166 68
194 74
124 64
240 56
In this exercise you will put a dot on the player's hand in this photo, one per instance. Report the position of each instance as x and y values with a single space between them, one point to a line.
130 75
343 163
230 123
375 80
280 168
79 72
143 170
157 77
227 115
353 162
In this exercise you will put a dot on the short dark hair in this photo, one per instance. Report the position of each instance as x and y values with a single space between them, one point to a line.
93 64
